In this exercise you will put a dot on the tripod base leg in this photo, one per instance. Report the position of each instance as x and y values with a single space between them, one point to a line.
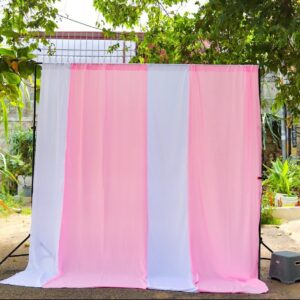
261 242
11 254
266 246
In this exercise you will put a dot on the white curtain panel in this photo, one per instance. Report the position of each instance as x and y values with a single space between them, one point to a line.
49 178
168 237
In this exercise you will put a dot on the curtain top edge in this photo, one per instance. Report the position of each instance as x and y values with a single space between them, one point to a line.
152 64
153 67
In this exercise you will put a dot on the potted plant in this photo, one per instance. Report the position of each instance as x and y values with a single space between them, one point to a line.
283 178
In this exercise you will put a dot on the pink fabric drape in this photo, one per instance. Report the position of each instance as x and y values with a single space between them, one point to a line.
224 189
103 236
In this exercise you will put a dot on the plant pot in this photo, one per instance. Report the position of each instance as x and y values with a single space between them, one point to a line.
285 200
286 213
24 186
26 191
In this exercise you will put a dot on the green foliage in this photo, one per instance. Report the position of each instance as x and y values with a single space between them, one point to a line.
169 36
23 19
271 124
8 205
129 13
265 32
282 177
268 218
9 176
21 22
20 150
17 162
26 211
267 210
5 172
6 200
294 175
259 31
15 76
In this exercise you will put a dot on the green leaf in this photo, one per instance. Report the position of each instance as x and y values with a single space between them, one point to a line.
5 118
3 66
38 71
25 94
7 52
11 78
23 52
26 68
285 168
20 114
298 81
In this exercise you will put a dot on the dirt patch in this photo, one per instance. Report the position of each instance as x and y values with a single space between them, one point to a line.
292 229
15 228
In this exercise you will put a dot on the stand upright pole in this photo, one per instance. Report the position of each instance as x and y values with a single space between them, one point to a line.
33 129
283 133
11 254
261 242
262 159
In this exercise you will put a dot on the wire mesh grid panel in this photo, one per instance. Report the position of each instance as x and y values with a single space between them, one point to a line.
85 47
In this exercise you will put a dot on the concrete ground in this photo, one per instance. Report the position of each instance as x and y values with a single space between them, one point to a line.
14 228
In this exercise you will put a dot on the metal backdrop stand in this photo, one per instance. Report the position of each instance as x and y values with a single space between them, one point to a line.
11 254
261 242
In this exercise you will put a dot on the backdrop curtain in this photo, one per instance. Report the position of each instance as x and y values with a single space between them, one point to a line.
147 177
49 180
224 166
169 265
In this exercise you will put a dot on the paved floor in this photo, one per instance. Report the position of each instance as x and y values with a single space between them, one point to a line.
15 228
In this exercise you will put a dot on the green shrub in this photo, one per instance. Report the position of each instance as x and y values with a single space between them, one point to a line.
282 177
268 219
8 204
19 158
7 177
20 147
267 210
16 162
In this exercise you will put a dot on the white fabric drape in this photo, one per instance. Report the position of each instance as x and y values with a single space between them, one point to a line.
49 178
168 238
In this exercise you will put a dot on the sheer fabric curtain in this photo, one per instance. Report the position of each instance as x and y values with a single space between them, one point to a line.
147 177
104 222
49 178
224 167
169 265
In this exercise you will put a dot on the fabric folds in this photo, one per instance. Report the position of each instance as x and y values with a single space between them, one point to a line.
168 235
147 177
103 237
224 171
49 178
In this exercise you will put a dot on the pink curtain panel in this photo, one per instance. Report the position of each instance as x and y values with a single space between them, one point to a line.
147 177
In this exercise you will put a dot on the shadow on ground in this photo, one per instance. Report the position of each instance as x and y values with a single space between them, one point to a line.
273 236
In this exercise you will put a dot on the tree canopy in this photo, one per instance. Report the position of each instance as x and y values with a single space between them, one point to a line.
264 32
20 23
